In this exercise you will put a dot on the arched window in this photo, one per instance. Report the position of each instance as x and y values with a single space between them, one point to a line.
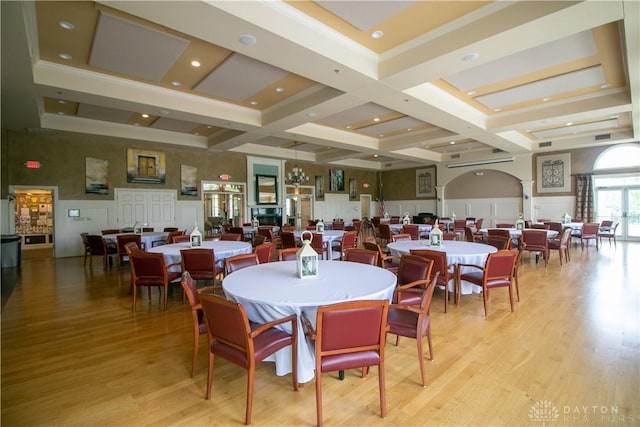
619 156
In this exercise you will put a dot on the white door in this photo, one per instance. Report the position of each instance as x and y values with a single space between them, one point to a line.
365 206
155 208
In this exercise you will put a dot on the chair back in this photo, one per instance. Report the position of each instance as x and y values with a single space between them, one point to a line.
267 231
147 267
401 237
287 254
348 240
413 268
372 246
500 266
236 230
385 231
412 230
132 247
364 256
232 237
555 226
123 239
533 239
449 236
85 241
170 229
182 238
459 225
228 328
95 245
287 239
439 263
265 252
499 242
590 229
317 243
258 240
479 223
543 226
190 290
172 235
468 234
199 262
394 220
606 224
504 225
337 225
110 231
498 232
238 262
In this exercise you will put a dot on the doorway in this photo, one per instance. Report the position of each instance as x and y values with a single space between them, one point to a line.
618 200
224 206
33 209
299 206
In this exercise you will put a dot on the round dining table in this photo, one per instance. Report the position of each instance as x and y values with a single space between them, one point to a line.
328 237
457 253
422 228
221 249
516 234
146 238
273 290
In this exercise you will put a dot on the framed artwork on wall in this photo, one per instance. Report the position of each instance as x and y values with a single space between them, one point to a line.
336 180
426 182
353 184
96 176
319 187
145 166
188 180
554 173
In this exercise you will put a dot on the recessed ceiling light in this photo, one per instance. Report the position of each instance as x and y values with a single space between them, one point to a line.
604 86
546 98
377 119
65 56
569 124
452 142
195 63
375 155
381 135
254 103
279 89
145 115
61 101
247 39
378 34
613 117
470 57
471 92
66 25
497 109
311 114
348 126
409 130
176 83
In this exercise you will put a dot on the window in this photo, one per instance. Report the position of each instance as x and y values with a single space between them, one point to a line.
617 157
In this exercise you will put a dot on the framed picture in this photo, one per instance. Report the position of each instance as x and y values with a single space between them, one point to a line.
336 180
426 182
96 176
353 189
554 173
145 166
319 187
188 180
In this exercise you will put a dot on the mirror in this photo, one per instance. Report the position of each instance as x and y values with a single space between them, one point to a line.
266 190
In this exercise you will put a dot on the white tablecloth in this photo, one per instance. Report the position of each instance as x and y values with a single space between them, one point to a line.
271 291
328 237
422 228
516 234
221 248
147 238
457 253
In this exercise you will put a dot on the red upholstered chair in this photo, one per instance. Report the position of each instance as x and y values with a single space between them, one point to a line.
200 263
562 245
471 235
122 240
337 225
265 252
317 243
401 237
414 322
173 234
412 230
413 271
231 237
110 231
503 233
347 242
349 335
238 262
449 236
536 241
233 338
288 254
588 232
149 269
444 271
498 271
266 231
182 238
96 246
287 239
387 262
364 256
385 234
199 326
170 229
499 242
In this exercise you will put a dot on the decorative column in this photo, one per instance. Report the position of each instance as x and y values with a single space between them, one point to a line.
440 201
527 201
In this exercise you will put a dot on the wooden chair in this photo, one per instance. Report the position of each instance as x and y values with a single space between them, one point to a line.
536 241
232 237
337 225
499 232
147 229
388 262
449 236
287 239
400 237
172 235
182 238
561 245
287 254
265 252
110 231
588 232
257 240
505 225
498 271
96 246
471 235
412 230
149 269
169 229
608 232
349 335
200 263
414 322
199 325
444 272
499 242
238 262
413 272
122 240
233 338
459 225
348 242
317 243
384 236
364 256
267 231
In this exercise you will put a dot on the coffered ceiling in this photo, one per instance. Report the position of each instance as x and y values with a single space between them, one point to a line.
370 84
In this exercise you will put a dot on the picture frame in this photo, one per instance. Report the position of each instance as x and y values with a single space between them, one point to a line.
426 182
553 173
266 190
336 180
188 180
319 183
96 176
146 166
353 189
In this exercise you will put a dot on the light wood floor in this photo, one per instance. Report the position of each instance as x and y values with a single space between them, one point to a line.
73 354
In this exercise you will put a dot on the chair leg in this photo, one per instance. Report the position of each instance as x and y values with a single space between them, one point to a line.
196 345
421 360
319 398
250 381
383 396
209 376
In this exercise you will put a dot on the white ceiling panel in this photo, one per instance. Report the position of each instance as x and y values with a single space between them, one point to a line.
103 113
174 125
357 114
403 123
364 14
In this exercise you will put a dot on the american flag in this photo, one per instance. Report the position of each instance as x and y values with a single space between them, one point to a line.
381 208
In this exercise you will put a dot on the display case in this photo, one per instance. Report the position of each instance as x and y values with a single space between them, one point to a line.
34 220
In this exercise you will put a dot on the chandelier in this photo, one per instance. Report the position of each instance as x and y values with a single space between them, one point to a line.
296 176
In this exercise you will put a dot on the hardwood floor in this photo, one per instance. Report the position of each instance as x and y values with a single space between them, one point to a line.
73 353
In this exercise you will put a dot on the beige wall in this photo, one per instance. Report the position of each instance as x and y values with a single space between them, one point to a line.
489 184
